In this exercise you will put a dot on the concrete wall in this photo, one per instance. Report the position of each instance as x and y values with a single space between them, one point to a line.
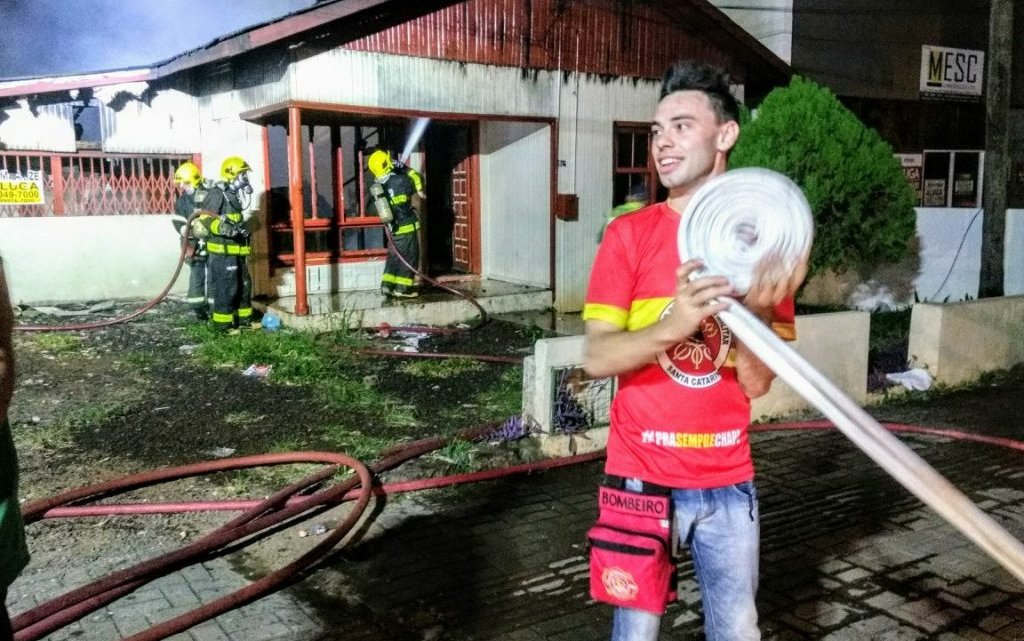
959 341
326 279
834 344
83 258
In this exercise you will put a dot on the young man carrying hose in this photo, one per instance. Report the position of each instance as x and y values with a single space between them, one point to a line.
13 552
679 419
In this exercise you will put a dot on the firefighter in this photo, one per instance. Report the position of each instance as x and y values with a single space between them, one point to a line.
194 191
636 200
227 243
397 187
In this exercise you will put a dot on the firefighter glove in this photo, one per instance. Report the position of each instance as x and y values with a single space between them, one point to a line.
230 229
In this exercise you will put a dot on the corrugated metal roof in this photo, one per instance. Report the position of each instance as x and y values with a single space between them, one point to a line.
318 28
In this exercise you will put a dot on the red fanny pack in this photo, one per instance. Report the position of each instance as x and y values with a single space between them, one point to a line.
630 560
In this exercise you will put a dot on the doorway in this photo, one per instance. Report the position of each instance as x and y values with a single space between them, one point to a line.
451 239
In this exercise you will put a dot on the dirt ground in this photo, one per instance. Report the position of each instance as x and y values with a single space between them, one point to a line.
98 404
92 405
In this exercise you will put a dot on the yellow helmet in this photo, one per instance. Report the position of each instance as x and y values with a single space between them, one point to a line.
188 174
380 164
232 167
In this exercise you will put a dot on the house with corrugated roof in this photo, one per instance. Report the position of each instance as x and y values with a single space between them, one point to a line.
536 115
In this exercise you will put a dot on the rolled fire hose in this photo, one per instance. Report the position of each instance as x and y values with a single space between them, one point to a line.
736 219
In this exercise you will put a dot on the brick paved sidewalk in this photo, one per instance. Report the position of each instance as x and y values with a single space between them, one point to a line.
847 554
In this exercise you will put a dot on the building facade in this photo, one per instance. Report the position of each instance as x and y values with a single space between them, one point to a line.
537 115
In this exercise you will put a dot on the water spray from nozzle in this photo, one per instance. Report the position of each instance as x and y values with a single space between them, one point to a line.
415 134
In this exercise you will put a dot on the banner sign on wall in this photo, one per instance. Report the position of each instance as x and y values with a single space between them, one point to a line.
951 74
912 165
19 188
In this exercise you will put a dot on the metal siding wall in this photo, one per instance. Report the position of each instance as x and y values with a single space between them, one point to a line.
223 134
586 145
608 37
421 84
168 124
51 129
515 201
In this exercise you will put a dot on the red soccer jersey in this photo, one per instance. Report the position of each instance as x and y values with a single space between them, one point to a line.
682 421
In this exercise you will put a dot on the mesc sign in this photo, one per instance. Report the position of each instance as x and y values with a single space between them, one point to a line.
948 71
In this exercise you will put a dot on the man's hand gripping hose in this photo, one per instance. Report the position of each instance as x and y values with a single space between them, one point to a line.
750 217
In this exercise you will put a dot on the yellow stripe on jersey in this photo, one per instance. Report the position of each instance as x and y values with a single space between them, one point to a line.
607 313
785 331
646 312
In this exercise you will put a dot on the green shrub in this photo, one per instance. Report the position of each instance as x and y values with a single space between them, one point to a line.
863 206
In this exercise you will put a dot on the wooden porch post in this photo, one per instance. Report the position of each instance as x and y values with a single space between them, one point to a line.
298 220
57 175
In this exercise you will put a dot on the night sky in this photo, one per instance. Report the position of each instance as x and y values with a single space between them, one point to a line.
44 37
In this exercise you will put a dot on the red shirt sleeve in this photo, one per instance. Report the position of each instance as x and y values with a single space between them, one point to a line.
784 319
612 278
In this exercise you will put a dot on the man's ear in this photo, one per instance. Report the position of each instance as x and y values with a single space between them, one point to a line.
728 132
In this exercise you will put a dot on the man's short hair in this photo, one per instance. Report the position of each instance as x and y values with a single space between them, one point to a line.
688 75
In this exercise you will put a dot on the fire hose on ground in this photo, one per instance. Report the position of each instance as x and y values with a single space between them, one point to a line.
286 506
744 216
258 517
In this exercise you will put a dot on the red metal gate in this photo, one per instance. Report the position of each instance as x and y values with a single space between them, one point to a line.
96 184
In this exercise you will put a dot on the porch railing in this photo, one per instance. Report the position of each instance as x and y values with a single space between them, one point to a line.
96 183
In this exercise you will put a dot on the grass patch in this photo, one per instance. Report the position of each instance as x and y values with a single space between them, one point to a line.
357 444
323 363
57 342
459 456
140 359
60 432
440 368
505 399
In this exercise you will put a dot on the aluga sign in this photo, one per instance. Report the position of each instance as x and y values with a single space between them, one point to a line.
21 189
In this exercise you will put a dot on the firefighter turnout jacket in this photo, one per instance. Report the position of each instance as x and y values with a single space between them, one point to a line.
184 207
227 230
400 188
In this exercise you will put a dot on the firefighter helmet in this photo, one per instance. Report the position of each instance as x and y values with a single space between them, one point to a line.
188 174
380 164
232 167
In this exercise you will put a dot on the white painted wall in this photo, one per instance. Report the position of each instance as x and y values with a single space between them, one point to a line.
85 258
588 110
949 265
945 272
770 21
515 201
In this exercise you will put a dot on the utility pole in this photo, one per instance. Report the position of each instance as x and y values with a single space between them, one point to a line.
997 143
